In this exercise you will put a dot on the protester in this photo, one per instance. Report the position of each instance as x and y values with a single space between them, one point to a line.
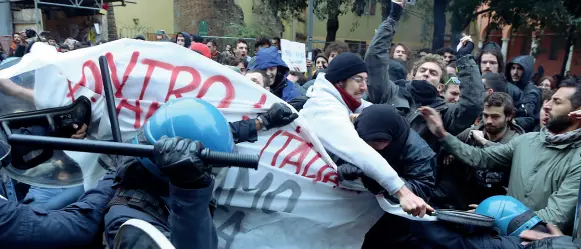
411 157
519 72
3 54
241 50
276 42
494 82
451 90
15 42
451 69
496 126
321 62
544 117
400 51
336 48
448 53
270 60
183 39
213 46
332 99
546 82
241 64
64 48
545 166
197 38
259 77
490 58
202 49
429 73
261 42
160 35
423 52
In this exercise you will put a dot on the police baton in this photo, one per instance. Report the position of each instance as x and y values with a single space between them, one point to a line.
217 159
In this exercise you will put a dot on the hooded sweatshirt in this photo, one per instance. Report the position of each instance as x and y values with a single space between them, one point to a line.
187 38
282 88
328 117
529 105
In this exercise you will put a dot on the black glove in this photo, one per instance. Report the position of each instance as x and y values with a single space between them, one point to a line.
178 159
373 186
278 115
465 50
349 172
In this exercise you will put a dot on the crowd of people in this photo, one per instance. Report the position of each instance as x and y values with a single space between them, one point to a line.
429 130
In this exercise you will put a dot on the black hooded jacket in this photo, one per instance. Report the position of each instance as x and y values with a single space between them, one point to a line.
408 154
529 105
187 37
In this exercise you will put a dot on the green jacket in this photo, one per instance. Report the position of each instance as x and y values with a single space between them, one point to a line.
543 177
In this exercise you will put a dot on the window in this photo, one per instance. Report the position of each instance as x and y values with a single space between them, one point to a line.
369 8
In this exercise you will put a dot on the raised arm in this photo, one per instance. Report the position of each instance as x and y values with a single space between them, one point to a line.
463 113
380 89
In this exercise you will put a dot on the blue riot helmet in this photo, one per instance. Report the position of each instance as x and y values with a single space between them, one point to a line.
511 217
190 118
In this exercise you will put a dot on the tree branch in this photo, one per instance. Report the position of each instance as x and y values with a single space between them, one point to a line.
474 15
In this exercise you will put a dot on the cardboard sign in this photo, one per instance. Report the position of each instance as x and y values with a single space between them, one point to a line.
293 54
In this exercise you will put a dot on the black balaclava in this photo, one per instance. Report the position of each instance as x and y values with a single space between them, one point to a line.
382 122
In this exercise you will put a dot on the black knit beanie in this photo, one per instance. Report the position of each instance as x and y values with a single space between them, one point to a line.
344 66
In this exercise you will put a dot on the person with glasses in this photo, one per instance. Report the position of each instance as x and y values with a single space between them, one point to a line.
334 99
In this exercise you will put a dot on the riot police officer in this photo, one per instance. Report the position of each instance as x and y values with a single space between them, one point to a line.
176 179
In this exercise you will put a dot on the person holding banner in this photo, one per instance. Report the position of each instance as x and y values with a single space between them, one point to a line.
333 97
177 179
270 60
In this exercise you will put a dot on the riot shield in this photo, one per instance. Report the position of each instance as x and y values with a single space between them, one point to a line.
74 161
64 169
138 234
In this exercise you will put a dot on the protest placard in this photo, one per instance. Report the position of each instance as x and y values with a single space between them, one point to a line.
293 54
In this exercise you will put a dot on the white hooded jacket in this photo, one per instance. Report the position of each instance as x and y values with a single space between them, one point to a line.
328 116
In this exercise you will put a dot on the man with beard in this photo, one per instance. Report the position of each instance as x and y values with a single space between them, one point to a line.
519 72
495 128
545 166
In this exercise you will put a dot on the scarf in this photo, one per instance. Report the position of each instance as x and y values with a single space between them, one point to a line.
556 139
423 92
351 102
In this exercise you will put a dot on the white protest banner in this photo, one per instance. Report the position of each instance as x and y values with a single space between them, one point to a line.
291 201
293 54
